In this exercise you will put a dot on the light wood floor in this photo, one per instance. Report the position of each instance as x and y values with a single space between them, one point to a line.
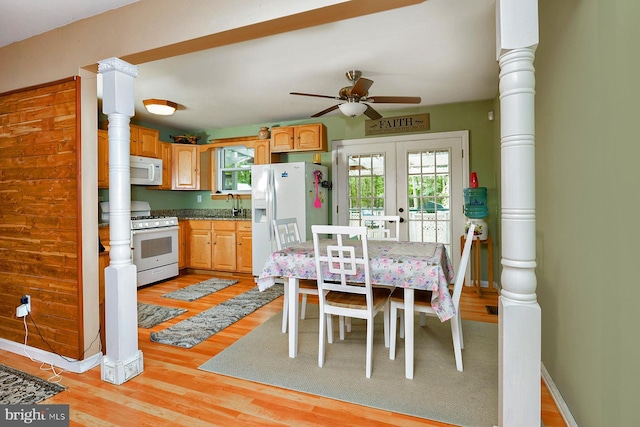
173 392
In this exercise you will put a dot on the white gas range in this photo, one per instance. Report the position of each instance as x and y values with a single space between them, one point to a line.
154 242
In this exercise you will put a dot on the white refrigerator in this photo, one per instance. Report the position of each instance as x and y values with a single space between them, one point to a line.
285 190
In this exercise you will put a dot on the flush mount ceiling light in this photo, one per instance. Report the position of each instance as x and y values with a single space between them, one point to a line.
352 108
161 107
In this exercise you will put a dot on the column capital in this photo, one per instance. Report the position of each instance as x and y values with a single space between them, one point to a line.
117 86
516 25
117 64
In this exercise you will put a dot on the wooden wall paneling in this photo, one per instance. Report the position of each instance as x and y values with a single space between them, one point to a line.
40 240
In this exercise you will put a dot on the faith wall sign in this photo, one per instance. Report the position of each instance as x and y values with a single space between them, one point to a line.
400 124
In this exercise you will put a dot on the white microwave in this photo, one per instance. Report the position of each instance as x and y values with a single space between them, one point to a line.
146 171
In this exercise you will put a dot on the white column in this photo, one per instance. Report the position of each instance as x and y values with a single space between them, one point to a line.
519 312
123 360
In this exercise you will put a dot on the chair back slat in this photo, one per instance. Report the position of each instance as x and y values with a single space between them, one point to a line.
286 232
462 268
342 260
377 227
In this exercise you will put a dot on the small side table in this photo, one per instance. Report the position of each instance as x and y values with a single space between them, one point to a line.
476 247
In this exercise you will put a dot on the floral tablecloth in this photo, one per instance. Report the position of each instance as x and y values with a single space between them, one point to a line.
402 264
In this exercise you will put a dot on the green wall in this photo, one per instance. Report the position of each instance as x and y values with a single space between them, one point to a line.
587 151
472 116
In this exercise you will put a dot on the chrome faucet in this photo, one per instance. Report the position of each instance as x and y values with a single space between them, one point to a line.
235 205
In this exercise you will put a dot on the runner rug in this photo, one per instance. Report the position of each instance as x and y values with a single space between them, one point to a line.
198 290
198 328
438 391
20 388
150 315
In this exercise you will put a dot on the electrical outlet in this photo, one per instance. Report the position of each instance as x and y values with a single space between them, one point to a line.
26 301
199 198
21 310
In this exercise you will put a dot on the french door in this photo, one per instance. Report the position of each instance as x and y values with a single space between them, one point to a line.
417 177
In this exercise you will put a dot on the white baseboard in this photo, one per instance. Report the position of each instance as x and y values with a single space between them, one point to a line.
557 398
65 363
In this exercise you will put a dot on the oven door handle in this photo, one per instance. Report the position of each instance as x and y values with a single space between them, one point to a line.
154 230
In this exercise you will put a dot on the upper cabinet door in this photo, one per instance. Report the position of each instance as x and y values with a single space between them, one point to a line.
309 137
184 163
282 139
144 142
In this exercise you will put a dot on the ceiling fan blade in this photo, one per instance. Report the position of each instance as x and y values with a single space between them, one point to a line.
371 113
323 112
361 88
395 99
312 94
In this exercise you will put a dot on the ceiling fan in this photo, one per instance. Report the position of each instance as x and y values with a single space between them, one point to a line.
356 95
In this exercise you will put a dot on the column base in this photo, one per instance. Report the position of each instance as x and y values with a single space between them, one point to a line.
119 372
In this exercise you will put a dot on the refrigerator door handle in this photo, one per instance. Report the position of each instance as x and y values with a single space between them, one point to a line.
270 203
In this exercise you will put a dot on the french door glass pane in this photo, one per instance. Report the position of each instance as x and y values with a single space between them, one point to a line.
366 186
428 182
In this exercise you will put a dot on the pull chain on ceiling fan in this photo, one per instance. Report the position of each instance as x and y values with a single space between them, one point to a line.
356 95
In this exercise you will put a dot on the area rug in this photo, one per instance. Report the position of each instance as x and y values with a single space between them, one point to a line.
150 315
198 328
20 388
438 391
198 290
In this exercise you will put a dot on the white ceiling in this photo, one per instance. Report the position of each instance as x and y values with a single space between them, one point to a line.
440 50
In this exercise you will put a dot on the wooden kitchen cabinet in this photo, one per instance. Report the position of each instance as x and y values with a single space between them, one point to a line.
244 257
262 153
182 245
200 248
308 137
103 159
224 245
103 234
144 142
190 167
103 262
221 245
166 149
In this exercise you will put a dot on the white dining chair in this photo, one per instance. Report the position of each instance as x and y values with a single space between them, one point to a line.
422 304
338 263
287 233
382 227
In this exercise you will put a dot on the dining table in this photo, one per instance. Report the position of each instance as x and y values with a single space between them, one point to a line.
409 265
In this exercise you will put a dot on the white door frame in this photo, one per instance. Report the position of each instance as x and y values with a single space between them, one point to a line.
394 159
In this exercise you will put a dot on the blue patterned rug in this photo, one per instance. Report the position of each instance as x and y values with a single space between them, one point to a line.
198 328
150 315
20 388
198 290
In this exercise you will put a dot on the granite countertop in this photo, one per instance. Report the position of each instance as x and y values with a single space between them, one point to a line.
205 214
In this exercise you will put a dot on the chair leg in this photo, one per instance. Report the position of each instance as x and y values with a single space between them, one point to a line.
393 322
423 319
402 323
386 315
457 344
329 328
369 346
303 309
341 327
321 340
348 323
285 309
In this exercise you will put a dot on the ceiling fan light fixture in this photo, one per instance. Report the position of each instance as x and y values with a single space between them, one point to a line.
161 107
352 109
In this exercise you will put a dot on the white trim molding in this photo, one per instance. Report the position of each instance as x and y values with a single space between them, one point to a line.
557 398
